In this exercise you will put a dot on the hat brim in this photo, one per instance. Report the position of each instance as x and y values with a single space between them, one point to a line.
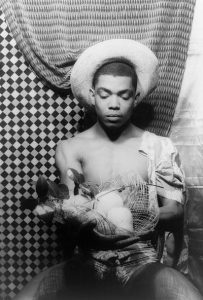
143 60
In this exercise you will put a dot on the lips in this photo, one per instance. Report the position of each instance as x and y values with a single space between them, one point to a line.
113 116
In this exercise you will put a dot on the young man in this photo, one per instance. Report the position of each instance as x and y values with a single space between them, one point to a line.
113 77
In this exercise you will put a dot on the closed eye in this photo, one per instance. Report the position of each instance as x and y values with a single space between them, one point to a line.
103 93
126 95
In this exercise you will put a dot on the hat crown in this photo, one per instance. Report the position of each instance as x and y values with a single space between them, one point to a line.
139 56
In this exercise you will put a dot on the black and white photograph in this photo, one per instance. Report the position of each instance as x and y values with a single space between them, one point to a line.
101 150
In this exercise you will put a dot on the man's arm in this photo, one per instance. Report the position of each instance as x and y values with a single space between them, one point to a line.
171 220
66 157
170 215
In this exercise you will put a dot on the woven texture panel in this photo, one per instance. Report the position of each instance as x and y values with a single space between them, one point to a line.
51 35
32 120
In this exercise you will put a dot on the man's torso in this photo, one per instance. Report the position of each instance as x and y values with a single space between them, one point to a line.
101 159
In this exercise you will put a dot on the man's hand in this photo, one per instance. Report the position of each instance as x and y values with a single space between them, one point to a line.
90 238
44 212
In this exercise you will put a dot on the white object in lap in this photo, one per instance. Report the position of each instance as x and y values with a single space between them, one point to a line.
110 205
121 217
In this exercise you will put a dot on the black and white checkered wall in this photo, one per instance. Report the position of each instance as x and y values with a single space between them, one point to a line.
33 118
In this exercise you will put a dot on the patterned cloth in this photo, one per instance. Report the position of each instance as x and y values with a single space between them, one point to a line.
125 261
52 34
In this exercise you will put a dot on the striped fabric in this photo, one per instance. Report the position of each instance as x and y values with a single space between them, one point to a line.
52 33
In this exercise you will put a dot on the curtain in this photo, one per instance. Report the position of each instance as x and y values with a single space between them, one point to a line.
51 34
187 134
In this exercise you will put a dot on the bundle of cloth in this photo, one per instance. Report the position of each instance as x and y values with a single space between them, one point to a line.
118 206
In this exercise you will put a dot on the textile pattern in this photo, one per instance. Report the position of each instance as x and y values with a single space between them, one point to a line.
33 118
51 35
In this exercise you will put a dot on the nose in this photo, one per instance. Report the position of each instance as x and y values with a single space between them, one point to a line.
114 102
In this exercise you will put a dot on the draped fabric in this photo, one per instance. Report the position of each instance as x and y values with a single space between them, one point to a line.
52 33
187 134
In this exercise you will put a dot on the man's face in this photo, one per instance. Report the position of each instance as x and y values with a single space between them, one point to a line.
114 98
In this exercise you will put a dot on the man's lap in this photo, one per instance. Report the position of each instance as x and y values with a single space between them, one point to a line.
157 282
152 281
77 279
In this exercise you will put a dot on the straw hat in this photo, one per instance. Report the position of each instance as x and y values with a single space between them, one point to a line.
138 55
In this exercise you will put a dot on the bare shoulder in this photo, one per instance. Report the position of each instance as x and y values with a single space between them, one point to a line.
74 143
137 132
64 145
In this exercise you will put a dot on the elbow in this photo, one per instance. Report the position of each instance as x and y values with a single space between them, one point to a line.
171 216
179 211
177 224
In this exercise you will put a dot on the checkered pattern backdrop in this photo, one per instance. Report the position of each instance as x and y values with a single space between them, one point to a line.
33 118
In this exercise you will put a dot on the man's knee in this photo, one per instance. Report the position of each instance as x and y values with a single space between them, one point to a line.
170 284
158 282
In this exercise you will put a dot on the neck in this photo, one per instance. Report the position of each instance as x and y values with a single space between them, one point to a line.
113 133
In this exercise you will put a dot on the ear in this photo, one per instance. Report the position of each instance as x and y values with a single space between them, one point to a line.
136 99
92 96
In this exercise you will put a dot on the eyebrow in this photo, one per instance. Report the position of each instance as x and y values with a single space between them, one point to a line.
125 91
119 92
103 89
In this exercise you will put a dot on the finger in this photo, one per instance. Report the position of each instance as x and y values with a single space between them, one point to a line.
88 226
109 245
127 242
109 242
112 238
146 236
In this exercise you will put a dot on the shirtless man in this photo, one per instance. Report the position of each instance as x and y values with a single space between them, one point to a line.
114 146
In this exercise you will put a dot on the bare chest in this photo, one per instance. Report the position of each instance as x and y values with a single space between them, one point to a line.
102 161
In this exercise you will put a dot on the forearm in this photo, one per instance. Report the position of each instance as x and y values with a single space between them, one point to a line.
171 217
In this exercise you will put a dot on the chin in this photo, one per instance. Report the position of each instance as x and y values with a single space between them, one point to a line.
112 125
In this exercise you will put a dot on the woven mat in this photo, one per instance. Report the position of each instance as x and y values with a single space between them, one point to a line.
52 33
